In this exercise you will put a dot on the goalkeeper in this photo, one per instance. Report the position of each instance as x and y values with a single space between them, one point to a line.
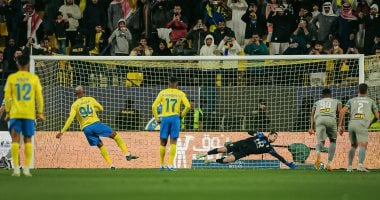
85 108
257 144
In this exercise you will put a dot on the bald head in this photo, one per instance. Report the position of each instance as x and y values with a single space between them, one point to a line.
79 91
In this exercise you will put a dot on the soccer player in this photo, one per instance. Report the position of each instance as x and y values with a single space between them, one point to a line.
84 109
361 108
257 144
21 92
324 114
170 121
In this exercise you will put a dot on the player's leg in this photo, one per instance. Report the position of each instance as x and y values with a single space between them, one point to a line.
120 143
105 154
174 134
15 128
28 131
321 137
164 134
354 145
212 152
362 137
332 134
94 140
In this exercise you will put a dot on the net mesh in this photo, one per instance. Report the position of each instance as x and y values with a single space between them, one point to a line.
233 96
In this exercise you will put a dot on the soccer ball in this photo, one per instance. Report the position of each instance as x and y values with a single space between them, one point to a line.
322 166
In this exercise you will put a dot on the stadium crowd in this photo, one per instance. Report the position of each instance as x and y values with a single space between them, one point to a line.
187 27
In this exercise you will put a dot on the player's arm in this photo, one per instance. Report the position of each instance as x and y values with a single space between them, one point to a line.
375 111
186 103
40 100
282 159
155 105
68 121
342 112
7 98
311 130
98 107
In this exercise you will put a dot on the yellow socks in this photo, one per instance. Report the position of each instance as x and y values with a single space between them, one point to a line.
28 153
121 144
105 155
162 155
172 151
15 150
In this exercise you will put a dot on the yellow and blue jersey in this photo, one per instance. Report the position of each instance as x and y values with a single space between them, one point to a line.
171 100
84 109
21 92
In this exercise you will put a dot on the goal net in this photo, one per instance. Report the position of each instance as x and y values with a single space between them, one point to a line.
230 95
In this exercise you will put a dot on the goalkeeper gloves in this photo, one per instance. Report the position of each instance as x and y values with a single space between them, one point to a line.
291 165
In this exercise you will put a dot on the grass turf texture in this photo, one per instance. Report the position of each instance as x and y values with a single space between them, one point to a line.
136 184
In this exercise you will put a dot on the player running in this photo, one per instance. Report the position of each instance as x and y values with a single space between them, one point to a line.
361 108
170 121
21 92
324 114
85 108
257 144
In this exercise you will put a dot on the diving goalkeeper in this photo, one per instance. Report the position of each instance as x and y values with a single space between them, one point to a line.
257 144
85 108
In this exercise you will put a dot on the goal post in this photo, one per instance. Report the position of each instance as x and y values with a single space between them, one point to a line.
234 93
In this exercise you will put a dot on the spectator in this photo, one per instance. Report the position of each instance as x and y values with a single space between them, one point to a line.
178 25
160 17
325 23
213 14
194 118
93 15
13 14
336 49
317 49
72 14
270 8
142 49
295 48
12 66
261 120
3 67
81 72
238 8
302 35
376 46
60 33
222 31
208 49
50 15
256 46
162 50
29 26
197 36
372 28
129 117
10 49
118 9
229 46
255 23
282 24
98 41
120 39
338 5
347 25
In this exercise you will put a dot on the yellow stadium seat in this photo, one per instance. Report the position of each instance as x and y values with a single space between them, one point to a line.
134 79
3 29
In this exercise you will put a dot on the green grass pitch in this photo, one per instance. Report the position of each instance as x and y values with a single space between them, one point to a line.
197 184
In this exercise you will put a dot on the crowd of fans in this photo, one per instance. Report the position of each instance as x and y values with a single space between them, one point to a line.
188 27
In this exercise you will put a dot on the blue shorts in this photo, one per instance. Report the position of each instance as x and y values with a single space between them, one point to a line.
95 130
170 126
22 126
